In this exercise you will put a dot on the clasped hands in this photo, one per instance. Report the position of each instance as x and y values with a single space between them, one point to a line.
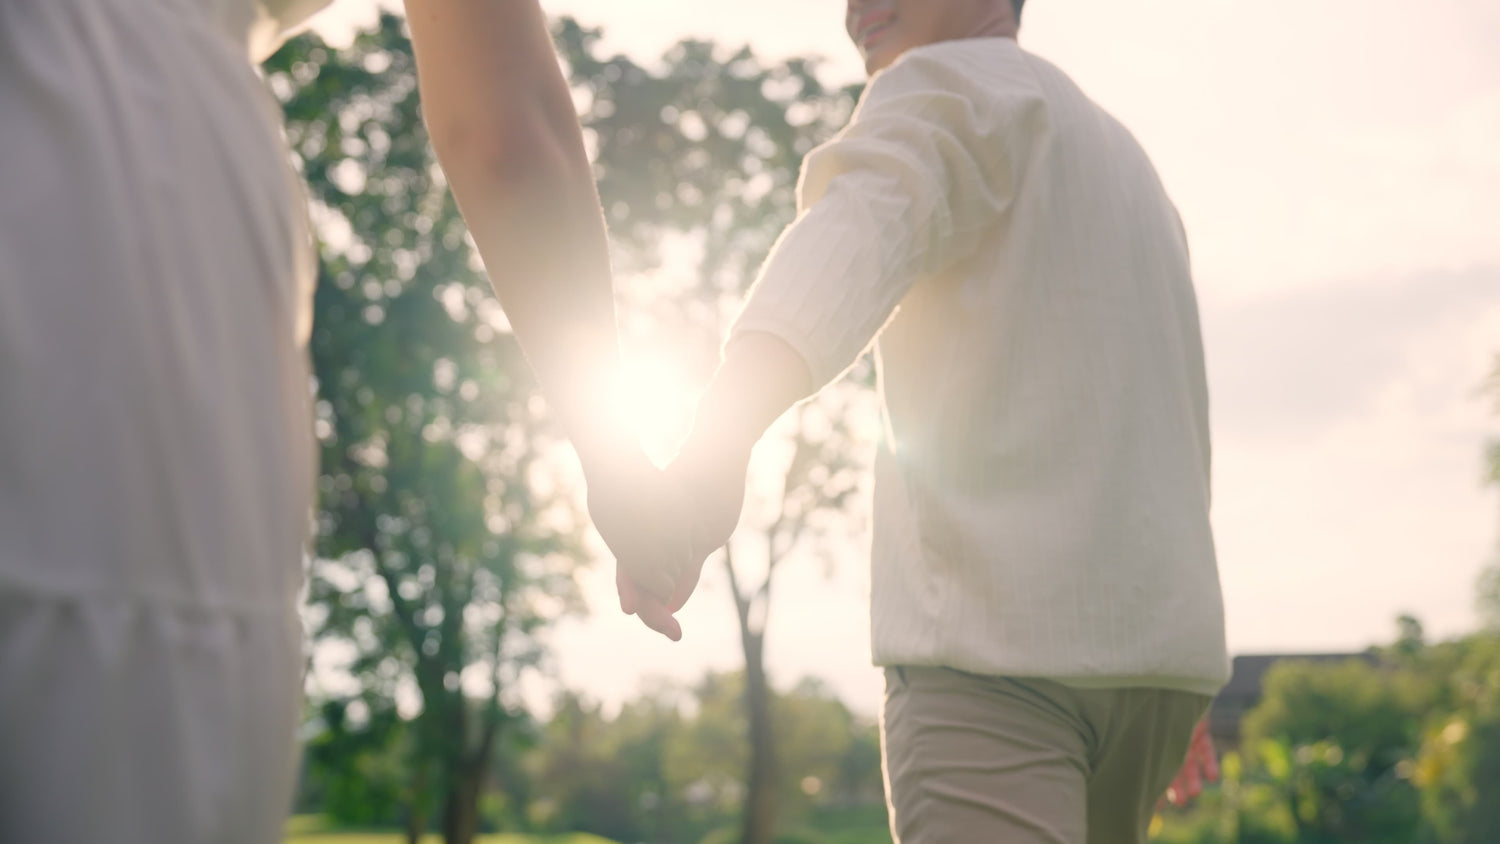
662 524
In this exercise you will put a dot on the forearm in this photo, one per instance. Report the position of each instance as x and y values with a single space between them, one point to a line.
761 377
503 126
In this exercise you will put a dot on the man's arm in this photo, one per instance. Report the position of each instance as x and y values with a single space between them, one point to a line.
904 191
760 377
501 120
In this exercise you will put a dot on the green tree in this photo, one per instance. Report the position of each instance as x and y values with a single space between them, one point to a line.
706 152
609 776
823 742
1401 747
1458 768
1338 741
830 757
668 767
446 536
356 764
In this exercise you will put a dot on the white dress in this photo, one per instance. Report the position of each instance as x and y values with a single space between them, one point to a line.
156 460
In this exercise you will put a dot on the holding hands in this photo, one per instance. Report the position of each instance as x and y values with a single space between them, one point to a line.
639 516
662 525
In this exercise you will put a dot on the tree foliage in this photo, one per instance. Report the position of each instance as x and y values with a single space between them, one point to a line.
446 531
1401 747
668 767
445 535
703 155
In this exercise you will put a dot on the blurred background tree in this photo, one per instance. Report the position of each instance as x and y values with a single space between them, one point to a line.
448 531
1336 741
1398 747
700 160
447 527
1403 746
1459 763
668 767
446 537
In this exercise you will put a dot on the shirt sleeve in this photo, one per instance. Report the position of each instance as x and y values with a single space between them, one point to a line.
923 170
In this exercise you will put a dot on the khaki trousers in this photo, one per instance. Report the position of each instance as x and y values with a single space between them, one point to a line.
971 759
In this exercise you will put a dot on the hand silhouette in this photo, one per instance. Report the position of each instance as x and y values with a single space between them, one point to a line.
699 498
639 517
709 477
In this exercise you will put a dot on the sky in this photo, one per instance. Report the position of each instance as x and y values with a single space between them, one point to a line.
1336 165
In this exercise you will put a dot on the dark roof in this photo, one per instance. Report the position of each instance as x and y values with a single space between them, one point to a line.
1249 670
1243 691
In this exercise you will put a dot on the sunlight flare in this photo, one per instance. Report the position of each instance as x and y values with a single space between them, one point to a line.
658 404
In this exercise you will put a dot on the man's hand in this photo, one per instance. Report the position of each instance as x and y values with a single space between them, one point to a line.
698 506
668 527
1200 766
640 518
653 612
709 475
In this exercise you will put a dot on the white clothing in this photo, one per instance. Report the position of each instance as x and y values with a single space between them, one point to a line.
1041 509
156 459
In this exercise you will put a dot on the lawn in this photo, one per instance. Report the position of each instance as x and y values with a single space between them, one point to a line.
306 829
397 838
851 826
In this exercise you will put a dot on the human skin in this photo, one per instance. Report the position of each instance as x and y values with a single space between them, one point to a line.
884 29
501 120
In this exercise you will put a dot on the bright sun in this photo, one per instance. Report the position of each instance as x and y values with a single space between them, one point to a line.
658 404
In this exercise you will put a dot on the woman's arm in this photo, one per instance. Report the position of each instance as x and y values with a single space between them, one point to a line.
502 123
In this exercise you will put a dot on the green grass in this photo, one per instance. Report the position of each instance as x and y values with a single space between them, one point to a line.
398 838
310 829
851 826
857 825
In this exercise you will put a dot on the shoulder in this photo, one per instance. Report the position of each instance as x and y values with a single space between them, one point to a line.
980 69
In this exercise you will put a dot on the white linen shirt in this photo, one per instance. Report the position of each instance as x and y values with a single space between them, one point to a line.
1042 502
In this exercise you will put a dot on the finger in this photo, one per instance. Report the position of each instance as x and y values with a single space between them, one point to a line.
651 612
1210 755
658 585
629 595
686 584
675 540
656 616
640 586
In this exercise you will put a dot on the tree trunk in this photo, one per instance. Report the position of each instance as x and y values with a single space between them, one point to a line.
416 811
461 812
760 792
